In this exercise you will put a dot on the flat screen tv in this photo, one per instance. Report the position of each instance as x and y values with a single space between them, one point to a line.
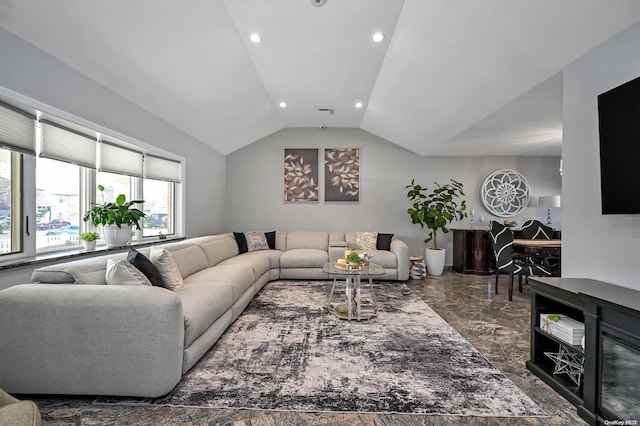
619 121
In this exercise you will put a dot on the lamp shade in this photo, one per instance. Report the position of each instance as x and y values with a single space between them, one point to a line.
549 201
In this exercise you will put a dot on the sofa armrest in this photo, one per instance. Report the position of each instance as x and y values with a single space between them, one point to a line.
401 250
90 339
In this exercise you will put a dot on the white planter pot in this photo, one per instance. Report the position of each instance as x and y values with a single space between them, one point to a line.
116 237
89 245
435 261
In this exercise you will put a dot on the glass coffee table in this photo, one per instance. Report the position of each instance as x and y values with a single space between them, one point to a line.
357 303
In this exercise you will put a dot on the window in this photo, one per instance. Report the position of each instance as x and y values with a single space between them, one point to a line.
17 137
50 168
159 207
114 185
57 204
10 206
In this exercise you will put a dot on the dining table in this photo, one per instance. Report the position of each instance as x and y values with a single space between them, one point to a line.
549 250
537 244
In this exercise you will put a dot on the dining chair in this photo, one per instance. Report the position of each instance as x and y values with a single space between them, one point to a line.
535 230
507 261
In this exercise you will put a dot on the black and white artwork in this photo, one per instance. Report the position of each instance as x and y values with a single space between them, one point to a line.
342 175
301 175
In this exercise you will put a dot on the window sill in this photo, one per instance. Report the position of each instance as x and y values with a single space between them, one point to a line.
76 253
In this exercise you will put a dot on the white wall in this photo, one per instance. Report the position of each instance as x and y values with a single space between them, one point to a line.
605 248
31 72
255 185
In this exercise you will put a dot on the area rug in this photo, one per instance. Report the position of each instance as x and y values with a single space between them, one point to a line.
285 352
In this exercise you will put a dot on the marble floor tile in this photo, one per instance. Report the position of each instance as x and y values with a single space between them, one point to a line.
499 329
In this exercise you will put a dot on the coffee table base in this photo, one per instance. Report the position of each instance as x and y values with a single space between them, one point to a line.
356 305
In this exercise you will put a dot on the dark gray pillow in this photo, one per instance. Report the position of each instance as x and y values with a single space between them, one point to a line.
144 265
384 241
271 239
242 242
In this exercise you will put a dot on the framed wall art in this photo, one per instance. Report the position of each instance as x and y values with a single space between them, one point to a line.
505 193
301 175
342 175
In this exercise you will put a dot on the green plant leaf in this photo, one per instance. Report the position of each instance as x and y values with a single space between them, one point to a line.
436 209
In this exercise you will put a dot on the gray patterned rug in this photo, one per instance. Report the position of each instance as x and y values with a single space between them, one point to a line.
286 353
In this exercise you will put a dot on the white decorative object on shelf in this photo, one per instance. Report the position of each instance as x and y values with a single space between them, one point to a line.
505 193
567 362
566 329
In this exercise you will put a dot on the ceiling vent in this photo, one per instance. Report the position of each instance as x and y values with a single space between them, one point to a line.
318 3
329 110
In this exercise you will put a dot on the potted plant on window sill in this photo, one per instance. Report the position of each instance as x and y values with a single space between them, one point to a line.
117 218
89 240
435 210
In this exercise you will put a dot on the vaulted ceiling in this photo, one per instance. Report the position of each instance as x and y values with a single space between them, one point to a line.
450 77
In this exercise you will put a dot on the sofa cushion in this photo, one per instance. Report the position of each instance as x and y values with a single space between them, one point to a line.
202 304
281 241
239 277
384 258
119 271
304 258
257 261
145 266
307 240
166 264
190 260
384 241
218 250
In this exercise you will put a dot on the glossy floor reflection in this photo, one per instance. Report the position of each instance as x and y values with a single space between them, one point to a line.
496 327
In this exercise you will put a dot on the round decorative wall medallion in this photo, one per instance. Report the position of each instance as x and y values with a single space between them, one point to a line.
505 193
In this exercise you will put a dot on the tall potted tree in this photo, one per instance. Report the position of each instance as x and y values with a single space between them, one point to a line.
117 218
435 210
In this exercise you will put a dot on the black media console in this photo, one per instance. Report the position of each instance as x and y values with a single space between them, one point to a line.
609 387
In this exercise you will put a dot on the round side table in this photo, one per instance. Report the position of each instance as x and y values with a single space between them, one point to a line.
418 268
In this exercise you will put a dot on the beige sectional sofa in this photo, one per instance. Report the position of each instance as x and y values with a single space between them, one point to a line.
59 337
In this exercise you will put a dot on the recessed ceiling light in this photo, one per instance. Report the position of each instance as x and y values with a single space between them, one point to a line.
358 104
255 37
378 37
283 104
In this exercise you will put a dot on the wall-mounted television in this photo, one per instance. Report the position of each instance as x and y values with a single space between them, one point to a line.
619 121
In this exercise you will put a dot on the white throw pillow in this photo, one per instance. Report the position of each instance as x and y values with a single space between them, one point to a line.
166 264
256 241
123 273
366 240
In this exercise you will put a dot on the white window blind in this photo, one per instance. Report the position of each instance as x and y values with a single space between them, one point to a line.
17 129
64 144
161 168
117 159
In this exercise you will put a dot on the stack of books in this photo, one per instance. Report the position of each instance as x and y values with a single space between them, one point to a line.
563 327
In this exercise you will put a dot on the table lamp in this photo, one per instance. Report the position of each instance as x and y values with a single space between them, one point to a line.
549 201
